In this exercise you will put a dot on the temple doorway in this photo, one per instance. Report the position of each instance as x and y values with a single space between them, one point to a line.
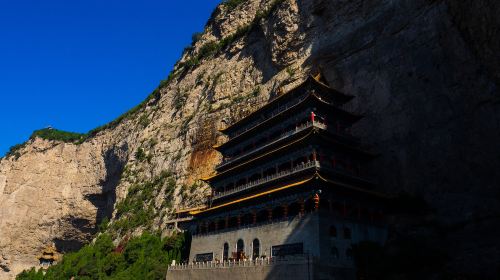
255 248
240 249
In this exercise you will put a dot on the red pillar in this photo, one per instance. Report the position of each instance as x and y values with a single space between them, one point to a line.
254 217
269 214
316 202
285 211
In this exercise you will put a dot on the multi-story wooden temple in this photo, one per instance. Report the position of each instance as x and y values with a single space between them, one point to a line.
291 182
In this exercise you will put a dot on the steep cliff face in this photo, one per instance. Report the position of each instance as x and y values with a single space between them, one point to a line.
423 77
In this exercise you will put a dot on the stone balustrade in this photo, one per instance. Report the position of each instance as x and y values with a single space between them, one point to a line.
263 261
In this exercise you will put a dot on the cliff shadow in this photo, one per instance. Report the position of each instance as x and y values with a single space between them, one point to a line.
114 161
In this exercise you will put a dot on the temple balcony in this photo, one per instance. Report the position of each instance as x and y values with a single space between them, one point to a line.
279 114
336 128
282 108
337 170
279 175
286 101
275 162
270 142
272 132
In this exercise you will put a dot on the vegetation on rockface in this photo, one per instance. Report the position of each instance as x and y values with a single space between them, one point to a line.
58 135
232 4
143 257
195 37
137 209
209 49
179 100
255 93
14 151
141 155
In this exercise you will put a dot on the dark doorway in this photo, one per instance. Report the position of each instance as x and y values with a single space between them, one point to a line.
225 252
240 249
255 248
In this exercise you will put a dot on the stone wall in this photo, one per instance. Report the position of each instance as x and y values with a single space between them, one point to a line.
292 270
269 234
313 230
303 268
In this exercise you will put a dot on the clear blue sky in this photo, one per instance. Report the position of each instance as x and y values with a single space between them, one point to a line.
77 64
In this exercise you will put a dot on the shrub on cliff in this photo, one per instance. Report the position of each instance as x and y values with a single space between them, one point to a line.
232 4
59 135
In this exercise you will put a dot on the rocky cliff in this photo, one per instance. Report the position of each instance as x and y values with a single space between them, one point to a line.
425 74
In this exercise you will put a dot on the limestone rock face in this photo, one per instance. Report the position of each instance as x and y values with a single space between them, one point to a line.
424 73
44 199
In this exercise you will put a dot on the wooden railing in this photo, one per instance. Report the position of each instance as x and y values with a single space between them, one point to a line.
267 179
272 114
287 134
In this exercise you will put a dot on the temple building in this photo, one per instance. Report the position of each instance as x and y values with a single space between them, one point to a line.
48 257
291 184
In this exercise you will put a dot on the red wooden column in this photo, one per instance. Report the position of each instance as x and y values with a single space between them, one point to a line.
239 220
316 202
226 222
216 224
285 211
302 207
269 214
254 217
